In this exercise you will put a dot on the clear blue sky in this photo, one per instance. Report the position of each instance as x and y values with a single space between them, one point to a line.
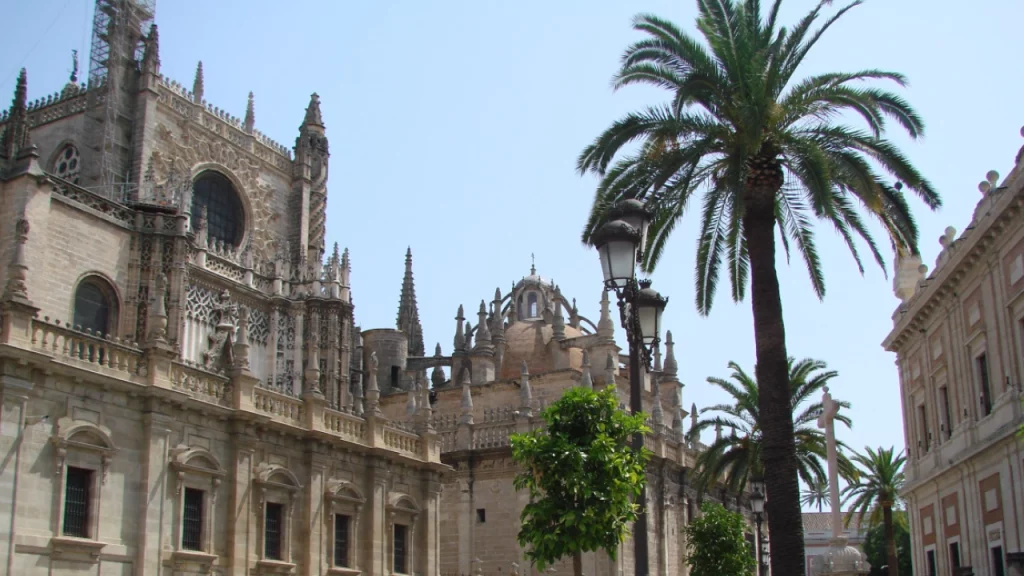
454 128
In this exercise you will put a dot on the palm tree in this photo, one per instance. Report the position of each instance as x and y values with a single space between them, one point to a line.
876 492
764 149
816 494
734 458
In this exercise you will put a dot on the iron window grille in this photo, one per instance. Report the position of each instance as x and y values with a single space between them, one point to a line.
192 520
342 524
76 502
273 530
401 552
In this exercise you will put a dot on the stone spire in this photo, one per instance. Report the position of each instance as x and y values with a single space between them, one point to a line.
313 117
671 368
408 320
483 336
525 393
345 292
693 417
498 324
558 321
150 55
586 380
678 413
657 411
197 84
74 56
609 370
250 115
357 396
460 338
467 401
16 134
410 398
605 326
437 374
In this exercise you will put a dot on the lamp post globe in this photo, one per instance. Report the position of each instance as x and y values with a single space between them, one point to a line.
633 212
757 497
650 306
617 243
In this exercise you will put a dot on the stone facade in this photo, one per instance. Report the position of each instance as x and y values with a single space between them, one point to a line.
180 378
522 351
959 341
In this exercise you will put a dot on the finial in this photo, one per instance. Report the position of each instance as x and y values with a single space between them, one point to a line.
16 288
497 294
74 66
197 84
467 399
345 264
250 114
533 265
525 393
150 53
483 335
460 339
437 349
313 117
586 380
671 368
609 370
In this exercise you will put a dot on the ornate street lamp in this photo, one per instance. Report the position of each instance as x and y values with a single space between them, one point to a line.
620 243
757 507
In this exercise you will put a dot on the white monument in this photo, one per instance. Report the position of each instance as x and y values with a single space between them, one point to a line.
840 559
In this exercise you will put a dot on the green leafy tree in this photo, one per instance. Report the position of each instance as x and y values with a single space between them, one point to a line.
875 493
816 494
735 457
765 149
582 477
876 547
717 545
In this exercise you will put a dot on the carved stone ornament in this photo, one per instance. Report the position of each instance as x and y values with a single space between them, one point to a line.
225 316
190 147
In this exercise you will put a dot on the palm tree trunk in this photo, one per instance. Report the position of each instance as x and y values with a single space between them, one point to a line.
577 563
890 540
782 507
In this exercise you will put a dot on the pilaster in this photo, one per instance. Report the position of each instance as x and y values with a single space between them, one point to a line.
241 521
315 552
156 429
376 539
430 561
15 389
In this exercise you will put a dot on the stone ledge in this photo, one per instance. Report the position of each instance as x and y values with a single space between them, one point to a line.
274 567
342 571
193 557
68 545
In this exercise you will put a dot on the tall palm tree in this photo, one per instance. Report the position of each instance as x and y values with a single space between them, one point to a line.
735 457
876 492
764 149
816 494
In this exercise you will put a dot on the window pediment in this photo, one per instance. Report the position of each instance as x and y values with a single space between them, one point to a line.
344 491
402 503
83 435
275 476
196 460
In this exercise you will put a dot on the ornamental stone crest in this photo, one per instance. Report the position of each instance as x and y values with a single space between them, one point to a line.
225 315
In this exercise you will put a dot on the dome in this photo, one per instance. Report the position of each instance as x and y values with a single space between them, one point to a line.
528 340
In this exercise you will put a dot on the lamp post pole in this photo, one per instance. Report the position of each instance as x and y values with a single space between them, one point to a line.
758 518
757 507
620 242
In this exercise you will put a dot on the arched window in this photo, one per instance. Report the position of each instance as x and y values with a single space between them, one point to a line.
531 300
95 306
224 216
66 165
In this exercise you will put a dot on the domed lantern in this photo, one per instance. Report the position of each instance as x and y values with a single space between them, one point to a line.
616 242
633 212
650 305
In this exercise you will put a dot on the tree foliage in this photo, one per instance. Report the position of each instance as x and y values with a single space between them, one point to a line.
875 492
736 456
716 544
582 477
875 547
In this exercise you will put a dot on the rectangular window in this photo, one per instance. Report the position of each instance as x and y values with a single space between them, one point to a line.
997 562
342 523
394 377
986 388
944 406
954 554
481 515
192 520
76 502
923 418
932 570
273 528
401 544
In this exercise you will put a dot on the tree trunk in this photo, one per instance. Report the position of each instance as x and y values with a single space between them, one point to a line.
782 506
577 563
890 540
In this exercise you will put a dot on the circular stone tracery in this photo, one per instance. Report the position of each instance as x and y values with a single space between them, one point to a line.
67 165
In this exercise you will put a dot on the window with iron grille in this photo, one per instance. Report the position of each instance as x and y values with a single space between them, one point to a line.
342 523
224 213
76 502
273 528
401 546
192 520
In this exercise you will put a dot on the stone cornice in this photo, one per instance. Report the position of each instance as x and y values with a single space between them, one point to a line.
970 249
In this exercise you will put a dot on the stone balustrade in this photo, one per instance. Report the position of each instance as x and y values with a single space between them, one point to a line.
54 346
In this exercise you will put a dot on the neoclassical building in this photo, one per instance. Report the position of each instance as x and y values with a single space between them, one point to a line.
958 335
177 381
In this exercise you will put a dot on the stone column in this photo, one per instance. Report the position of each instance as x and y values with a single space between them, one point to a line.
153 512
431 561
14 396
241 521
375 544
314 554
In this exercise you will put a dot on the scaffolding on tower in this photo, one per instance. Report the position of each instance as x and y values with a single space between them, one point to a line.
116 51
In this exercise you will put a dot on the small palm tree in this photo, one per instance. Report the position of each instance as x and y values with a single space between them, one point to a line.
736 457
769 152
816 494
876 492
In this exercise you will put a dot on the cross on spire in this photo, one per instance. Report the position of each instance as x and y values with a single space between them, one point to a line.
533 265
